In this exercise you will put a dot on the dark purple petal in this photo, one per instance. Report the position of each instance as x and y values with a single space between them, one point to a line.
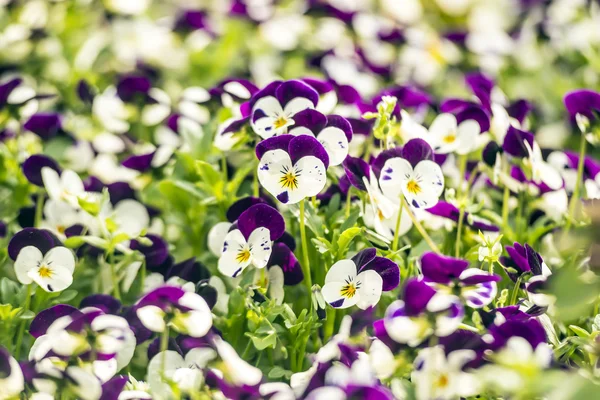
268 90
514 142
303 146
140 163
6 89
93 184
113 388
237 208
45 318
417 150
45 125
321 86
132 86
261 215
361 126
518 255
163 297
104 302
477 114
364 257
530 329
155 254
85 91
387 269
189 270
519 110
356 169
534 260
5 368
281 142
490 152
456 105
283 257
482 87
120 191
292 89
416 296
582 101
441 269
369 392
191 20
342 123
288 240
154 347
378 163
481 278
311 119
42 239
32 168
236 125
2 229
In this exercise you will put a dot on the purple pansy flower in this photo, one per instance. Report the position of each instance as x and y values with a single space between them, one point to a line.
584 102
292 168
451 212
251 241
453 275
45 125
274 107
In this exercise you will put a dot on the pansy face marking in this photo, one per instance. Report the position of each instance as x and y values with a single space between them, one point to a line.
289 180
344 287
350 288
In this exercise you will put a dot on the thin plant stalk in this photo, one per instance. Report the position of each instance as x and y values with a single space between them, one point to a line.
420 228
577 188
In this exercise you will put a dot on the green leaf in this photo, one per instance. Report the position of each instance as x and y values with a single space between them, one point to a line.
345 239
278 373
579 331
261 343
208 174
65 296
351 220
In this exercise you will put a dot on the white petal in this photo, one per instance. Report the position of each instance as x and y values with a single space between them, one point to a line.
216 237
550 176
370 289
152 317
430 181
196 94
271 169
60 279
108 143
29 257
261 246
468 131
237 89
341 271
333 292
231 263
85 385
60 256
276 279
131 217
394 175
443 125
172 361
311 180
296 105
154 114
52 182
241 372
335 142
162 155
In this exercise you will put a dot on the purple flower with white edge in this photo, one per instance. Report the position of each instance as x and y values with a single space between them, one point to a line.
42 262
422 312
274 107
453 276
252 240
583 106
451 212
186 312
360 281
292 168
414 175
12 383
332 131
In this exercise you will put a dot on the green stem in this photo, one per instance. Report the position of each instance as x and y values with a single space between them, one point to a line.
575 198
513 297
459 228
420 228
397 229
462 166
348 202
505 197
305 264
113 273
255 189
329 324
39 209
23 323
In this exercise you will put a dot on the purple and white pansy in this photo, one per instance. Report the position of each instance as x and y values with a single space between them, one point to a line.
413 175
250 242
275 106
454 277
360 281
422 312
292 168
332 131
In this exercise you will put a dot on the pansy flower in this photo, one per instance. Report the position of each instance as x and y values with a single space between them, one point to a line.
414 175
422 312
274 107
292 168
360 280
583 106
332 131
446 135
170 306
40 258
12 383
251 241
67 186
523 259
453 276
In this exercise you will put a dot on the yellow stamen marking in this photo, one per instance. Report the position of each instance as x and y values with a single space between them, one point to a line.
280 122
442 381
45 272
348 290
61 229
243 256
451 138
413 187
289 180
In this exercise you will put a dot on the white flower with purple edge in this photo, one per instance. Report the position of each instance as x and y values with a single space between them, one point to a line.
292 168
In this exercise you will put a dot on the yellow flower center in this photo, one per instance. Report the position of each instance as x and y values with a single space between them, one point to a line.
61 229
243 256
442 381
451 138
413 187
289 180
280 122
45 272
348 290
435 51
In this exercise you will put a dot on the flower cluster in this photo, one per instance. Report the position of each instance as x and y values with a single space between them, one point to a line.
303 199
